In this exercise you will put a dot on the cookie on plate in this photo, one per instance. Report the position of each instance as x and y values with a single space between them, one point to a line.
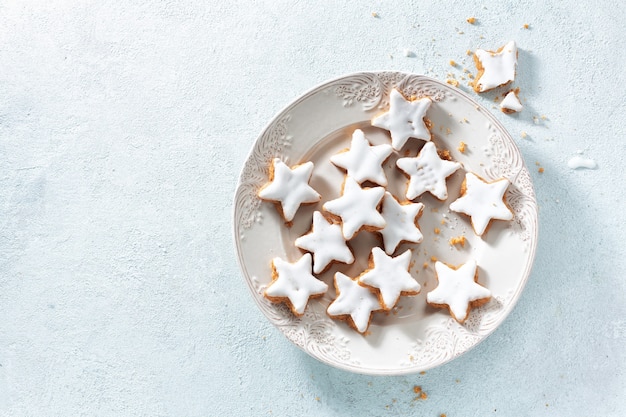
293 284
389 277
457 289
427 172
325 241
495 68
405 119
401 219
362 161
483 201
354 303
289 187
357 208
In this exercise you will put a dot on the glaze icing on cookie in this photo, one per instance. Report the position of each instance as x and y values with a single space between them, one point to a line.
495 68
289 187
511 103
357 207
401 223
457 289
325 241
427 172
293 284
405 119
390 277
353 303
482 201
362 161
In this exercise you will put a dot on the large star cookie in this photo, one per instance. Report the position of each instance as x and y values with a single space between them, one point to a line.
457 289
405 119
427 172
390 276
362 161
326 243
293 284
495 68
482 201
401 223
289 187
357 208
354 303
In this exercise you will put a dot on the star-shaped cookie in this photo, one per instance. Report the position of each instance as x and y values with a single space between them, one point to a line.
354 303
405 119
457 289
390 277
326 243
427 172
293 284
401 223
482 201
357 208
495 68
289 187
362 161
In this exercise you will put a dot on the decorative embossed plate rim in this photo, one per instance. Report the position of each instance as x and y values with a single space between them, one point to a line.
313 125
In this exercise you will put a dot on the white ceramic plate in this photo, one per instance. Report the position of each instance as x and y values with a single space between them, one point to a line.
414 337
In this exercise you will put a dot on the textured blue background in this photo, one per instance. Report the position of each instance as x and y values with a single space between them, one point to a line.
123 127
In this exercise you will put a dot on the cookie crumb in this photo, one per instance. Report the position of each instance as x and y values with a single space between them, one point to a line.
444 153
433 259
425 265
374 14
540 170
461 147
526 26
452 82
453 62
408 53
437 230
423 373
524 134
459 240
471 20
468 52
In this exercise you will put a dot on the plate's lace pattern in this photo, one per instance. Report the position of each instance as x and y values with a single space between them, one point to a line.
447 339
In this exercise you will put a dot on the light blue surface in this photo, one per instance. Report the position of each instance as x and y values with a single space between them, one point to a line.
123 127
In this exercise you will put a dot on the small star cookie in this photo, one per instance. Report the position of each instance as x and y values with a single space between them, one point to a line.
357 207
482 201
458 289
354 303
326 243
362 161
495 68
390 277
293 284
405 119
401 223
289 187
427 172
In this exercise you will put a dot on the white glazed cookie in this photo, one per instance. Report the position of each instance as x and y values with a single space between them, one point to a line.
390 277
405 119
354 303
511 103
495 68
482 201
357 207
289 187
457 289
401 223
427 172
362 161
326 243
293 284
